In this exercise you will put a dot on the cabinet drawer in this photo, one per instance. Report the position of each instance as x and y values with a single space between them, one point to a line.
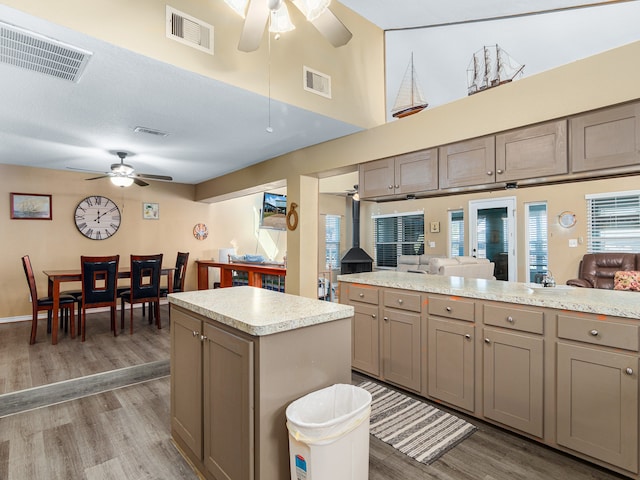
402 299
514 318
361 293
452 307
597 332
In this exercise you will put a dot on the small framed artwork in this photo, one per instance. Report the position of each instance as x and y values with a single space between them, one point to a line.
435 227
150 211
30 206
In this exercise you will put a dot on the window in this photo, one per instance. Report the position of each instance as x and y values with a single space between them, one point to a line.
332 242
613 222
397 234
456 233
537 246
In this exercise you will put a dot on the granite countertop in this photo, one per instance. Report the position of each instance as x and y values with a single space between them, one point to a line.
591 300
258 311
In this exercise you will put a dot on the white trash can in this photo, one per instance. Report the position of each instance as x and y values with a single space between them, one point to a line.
329 434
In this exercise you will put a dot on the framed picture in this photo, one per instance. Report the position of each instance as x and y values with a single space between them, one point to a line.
150 211
30 206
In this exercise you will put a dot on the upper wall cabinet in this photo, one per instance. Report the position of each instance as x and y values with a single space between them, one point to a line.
471 162
606 138
532 152
399 176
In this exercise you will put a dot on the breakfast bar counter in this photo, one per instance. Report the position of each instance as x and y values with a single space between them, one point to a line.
239 356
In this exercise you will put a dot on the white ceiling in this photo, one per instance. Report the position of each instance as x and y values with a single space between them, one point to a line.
215 128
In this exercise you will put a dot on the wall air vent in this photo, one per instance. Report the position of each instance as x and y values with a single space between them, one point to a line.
190 31
38 53
316 82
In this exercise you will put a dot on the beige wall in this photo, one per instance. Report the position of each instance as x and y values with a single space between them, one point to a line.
356 69
563 260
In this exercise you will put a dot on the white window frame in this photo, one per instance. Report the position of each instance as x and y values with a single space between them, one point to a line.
398 244
527 236
450 252
614 246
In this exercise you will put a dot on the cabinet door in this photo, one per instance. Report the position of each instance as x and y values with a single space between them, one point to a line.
376 179
186 380
365 346
598 404
228 405
401 348
451 362
471 162
416 172
513 380
532 152
606 138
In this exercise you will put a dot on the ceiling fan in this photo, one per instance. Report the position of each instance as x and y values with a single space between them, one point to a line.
257 12
123 174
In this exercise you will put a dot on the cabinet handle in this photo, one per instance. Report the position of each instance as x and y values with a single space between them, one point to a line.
490 172
203 337
499 171
386 319
487 341
594 333
373 315
448 309
195 334
390 187
361 295
467 336
510 319
397 186
629 371
400 301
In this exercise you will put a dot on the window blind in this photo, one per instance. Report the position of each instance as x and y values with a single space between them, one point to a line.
613 222
537 244
456 233
395 235
332 242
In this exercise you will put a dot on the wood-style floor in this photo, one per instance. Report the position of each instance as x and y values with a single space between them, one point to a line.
124 432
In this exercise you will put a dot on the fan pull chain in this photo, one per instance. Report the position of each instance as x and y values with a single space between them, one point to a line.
269 127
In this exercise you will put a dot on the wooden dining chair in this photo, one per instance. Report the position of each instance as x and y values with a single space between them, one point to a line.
145 286
99 281
178 277
40 304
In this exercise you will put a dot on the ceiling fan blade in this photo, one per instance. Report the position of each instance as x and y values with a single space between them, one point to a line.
332 28
85 170
96 178
254 23
166 178
139 182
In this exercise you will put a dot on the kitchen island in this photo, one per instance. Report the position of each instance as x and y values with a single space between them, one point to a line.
558 365
239 356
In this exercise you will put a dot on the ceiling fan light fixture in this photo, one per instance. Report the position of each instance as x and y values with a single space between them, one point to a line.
280 20
122 181
238 6
312 9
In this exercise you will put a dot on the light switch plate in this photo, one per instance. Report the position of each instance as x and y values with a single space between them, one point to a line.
573 242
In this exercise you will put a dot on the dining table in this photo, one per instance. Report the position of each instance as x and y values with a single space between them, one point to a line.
57 277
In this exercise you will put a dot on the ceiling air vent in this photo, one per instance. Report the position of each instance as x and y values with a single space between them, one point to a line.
316 82
150 131
186 29
38 53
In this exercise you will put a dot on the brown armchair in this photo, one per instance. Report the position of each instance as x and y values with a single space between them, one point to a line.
598 269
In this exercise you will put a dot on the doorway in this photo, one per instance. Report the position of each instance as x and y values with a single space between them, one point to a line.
492 234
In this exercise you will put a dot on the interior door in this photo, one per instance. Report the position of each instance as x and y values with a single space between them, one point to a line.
493 234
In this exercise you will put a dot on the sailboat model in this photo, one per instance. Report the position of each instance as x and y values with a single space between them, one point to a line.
410 99
490 67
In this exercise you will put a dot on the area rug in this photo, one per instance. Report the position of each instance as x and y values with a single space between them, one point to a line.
415 428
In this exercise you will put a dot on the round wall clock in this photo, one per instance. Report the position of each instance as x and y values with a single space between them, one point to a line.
200 231
567 219
97 217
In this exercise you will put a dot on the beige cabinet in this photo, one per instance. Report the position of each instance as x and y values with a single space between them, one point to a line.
468 163
597 393
513 366
451 352
399 176
365 328
212 396
532 152
606 138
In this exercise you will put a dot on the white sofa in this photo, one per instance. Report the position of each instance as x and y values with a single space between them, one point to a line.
469 267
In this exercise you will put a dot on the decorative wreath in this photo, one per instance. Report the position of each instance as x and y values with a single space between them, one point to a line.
292 217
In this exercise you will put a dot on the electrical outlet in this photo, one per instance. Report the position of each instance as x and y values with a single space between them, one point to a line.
432 244
573 242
